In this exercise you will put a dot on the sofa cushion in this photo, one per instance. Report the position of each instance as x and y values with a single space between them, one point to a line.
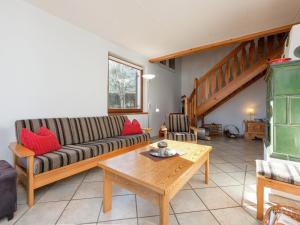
74 153
116 123
87 129
60 126
69 154
181 136
134 139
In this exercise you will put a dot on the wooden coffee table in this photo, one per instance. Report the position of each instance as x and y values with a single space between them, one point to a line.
157 180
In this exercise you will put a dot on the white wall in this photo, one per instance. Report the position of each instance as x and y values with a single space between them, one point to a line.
232 111
50 68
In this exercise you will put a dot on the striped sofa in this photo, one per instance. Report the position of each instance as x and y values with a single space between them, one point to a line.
179 129
84 142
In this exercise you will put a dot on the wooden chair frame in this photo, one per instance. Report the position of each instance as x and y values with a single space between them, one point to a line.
262 182
33 182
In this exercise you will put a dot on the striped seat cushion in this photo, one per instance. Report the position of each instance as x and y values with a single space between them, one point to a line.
181 136
60 126
285 172
74 153
134 139
178 123
87 129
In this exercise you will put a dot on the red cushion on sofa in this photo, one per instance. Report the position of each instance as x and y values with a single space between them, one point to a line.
42 142
131 128
136 127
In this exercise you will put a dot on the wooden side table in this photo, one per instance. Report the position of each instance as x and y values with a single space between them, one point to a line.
254 129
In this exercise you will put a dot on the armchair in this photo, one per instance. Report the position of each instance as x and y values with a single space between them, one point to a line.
179 129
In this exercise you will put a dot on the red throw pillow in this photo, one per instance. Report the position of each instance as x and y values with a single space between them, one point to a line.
42 142
131 128
136 127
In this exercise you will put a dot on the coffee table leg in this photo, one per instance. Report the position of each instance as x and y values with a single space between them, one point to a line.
164 209
107 193
207 170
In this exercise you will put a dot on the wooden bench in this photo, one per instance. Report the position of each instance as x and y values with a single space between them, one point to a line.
278 176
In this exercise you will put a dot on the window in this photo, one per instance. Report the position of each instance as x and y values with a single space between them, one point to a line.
170 63
125 87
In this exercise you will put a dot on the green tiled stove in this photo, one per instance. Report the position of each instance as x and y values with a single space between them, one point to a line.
283 111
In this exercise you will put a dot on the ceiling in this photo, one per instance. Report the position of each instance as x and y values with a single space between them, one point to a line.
159 27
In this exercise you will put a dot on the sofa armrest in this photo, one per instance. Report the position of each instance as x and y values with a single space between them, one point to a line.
146 130
20 150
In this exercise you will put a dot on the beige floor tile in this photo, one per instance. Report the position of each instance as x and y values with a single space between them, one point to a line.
22 194
78 178
89 190
197 181
94 175
81 211
228 167
186 187
43 213
212 169
21 209
155 220
215 198
250 195
217 160
117 190
250 166
235 192
186 201
250 177
120 222
222 179
59 191
196 218
146 208
234 216
240 177
123 207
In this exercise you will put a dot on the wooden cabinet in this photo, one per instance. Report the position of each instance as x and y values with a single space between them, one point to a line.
254 129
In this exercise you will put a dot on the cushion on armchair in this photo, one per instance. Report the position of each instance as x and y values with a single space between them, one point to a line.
181 136
178 123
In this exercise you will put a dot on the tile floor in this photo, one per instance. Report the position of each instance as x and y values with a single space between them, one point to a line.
228 199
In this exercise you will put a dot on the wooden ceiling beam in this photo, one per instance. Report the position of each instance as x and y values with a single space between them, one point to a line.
218 44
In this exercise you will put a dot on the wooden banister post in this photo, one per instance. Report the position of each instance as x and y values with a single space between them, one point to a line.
196 96
213 82
252 53
270 44
207 88
261 47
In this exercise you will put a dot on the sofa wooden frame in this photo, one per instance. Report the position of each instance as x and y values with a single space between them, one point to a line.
262 182
33 182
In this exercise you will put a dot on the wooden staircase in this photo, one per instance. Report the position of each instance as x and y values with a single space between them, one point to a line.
237 70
